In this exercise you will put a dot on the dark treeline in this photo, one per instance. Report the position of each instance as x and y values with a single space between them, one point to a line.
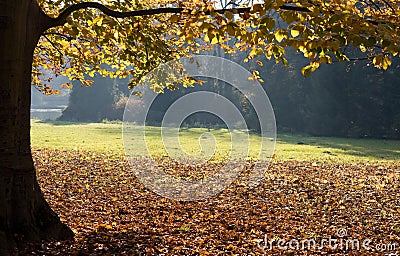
199 119
342 99
337 100
104 99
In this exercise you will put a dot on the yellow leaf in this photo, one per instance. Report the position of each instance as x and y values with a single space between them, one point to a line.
67 85
174 18
214 40
377 60
268 22
306 71
228 15
230 30
280 35
294 32
386 62
256 8
326 59
285 62
279 2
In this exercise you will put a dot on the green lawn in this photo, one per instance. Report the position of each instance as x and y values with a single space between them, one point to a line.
107 137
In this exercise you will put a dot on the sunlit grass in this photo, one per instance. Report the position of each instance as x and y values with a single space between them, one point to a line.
107 137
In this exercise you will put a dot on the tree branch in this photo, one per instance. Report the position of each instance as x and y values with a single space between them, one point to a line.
61 19
69 38
294 8
55 47
376 5
390 6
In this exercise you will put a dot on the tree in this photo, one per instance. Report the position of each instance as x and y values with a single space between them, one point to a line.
76 38
96 102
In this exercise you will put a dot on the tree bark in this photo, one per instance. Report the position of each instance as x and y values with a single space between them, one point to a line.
24 213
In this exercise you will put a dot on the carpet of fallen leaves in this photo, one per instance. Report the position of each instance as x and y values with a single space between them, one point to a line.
111 213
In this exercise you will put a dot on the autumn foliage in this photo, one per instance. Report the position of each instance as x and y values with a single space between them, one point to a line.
125 38
98 196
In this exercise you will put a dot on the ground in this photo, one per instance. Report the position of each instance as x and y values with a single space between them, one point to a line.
350 194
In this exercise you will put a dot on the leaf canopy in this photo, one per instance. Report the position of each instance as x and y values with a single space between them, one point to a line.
84 41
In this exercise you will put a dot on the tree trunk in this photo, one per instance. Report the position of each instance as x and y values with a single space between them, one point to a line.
24 214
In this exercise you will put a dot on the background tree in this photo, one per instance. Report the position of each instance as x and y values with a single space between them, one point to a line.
76 38
345 100
97 102
340 100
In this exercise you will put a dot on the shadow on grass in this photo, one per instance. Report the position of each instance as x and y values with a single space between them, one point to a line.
66 123
372 148
379 149
56 122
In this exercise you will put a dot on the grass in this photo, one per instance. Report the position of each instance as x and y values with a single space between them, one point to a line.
107 137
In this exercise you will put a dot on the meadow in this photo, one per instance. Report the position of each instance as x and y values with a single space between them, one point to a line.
107 137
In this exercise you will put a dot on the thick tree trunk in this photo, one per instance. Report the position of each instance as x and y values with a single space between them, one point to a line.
24 214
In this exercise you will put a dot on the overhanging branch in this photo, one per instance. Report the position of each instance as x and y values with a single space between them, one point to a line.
55 47
294 8
61 19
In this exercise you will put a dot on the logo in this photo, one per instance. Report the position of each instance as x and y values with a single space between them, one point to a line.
247 151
